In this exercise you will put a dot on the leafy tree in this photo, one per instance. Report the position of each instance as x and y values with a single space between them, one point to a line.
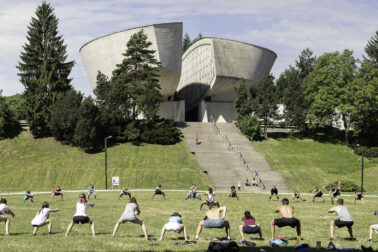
186 43
65 114
43 69
264 102
250 126
371 48
9 126
242 101
17 105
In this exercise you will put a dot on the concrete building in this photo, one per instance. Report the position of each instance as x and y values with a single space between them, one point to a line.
211 68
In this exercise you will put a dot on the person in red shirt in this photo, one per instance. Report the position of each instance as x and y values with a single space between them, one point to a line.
250 226
57 191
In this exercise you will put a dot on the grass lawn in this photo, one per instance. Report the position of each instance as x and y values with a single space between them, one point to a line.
314 217
42 164
305 163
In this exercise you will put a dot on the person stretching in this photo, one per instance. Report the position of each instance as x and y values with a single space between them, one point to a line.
249 227
274 190
28 195
372 228
57 191
158 190
41 218
124 192
297 195
80 215
345 220
193 193
91 191
210 198
318 194
335 192
213 219
358 196
174 224
129 215
4 209
233 193
287 219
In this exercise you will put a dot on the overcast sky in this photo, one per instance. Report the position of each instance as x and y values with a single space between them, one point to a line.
286 27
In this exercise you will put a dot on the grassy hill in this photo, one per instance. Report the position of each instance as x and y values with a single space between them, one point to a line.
313 216
305 163
42 164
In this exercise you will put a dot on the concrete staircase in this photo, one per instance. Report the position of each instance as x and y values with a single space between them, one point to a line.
223 166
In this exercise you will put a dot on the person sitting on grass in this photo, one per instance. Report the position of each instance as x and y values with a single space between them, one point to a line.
274 190
249 227
297 195
91 191
129 215
372 228
210 198
174 224
193 193
28 195
57 192
233 193
214 219
344 219
358 196
124 192
287 219
158 190
318 194
80 215
41 218
4 209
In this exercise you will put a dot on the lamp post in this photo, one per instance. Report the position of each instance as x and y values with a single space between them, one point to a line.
362 167
106 162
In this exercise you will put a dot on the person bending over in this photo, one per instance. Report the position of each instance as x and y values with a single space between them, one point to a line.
372 228
175 224
28 195
81 216
42 218
57 192
249 227
318 194
210 198
158 191
344 219
358 196
297 195
214 219
124 192
287 219
273 191
91 191
130 214
4 209
233 193
193 193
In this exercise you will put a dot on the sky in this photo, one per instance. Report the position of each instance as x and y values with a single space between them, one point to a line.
286 27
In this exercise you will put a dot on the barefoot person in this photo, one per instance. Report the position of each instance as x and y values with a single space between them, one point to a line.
91 191
344 219
318 194
80 215
358 196
129 215
210 198
41 218
4 209
28 195
124 192
233 193
158 191
214 219
57 192
174 224
287 219
193 193
249 227
273 191
297 195
373 228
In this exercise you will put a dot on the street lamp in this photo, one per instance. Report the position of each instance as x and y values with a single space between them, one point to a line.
362 167
106 163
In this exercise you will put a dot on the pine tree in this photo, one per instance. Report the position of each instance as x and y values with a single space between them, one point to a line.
186 43
371 48
43 69
242 101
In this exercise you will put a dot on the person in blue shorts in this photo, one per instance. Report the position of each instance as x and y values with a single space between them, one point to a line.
91 191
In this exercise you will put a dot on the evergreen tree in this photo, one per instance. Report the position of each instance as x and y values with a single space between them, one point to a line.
197 38
306 63
43 69
186 43
371 48
242 101
103 87
9 126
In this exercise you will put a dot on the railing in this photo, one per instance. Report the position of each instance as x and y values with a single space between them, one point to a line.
240 155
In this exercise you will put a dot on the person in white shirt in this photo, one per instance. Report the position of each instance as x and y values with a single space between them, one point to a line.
129 215
345 220
210 198
41 218
174 224
373 228
4 209
81 214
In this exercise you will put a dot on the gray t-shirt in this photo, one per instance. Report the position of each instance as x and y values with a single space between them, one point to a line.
376 212
129 212
343 214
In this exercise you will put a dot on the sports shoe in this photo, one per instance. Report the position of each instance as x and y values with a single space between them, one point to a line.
196 237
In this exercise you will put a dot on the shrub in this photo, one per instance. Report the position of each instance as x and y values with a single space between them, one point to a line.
250 127
347 186
371 152
159 132
9 126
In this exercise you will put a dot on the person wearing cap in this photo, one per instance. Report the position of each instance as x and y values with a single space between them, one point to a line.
174 224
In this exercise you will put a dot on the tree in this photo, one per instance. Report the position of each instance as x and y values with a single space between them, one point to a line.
17 105
43 69
186 43
264 102
306 63
197 38
242 101
371 48
9 126
64 115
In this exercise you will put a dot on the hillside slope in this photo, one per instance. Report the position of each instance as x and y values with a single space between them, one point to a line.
41 164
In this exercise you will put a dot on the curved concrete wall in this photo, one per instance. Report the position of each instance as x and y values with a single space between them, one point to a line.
104 53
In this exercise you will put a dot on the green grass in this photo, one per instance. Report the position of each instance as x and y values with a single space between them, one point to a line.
42 164
314 217
305 163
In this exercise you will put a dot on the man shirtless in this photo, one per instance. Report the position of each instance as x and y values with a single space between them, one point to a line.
318 194
214 219
335 192
287 219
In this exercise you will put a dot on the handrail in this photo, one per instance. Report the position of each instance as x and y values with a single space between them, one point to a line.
234 149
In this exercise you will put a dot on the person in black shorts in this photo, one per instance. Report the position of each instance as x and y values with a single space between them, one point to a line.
57 192
318 194
233 193
158 190
274 190
358 196
297 195
124 192
335 192
81 214
287 219
344 219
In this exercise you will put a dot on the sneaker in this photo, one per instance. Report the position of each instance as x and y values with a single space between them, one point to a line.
196 237
240 241
228 238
